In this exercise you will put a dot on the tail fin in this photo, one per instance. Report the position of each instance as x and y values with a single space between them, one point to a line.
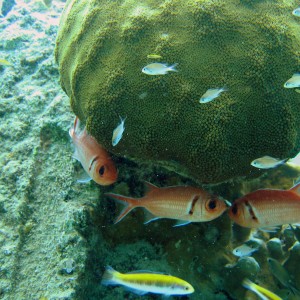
130 203
253 287
75 128
108 277
173 68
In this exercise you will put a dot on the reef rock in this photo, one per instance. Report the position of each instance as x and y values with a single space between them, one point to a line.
249 47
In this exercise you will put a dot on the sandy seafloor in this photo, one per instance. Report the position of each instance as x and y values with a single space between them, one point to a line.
56 236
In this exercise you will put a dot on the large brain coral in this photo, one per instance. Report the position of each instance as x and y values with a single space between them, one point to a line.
251 47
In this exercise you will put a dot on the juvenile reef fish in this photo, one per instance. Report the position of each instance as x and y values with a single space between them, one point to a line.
267 208
282 275
183 203
296 12
211 94
267 162
143 282
293 82
154 56
4 62
92 156
118 132
260 291
244 250
158 69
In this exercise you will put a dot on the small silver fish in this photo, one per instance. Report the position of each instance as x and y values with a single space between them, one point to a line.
267 162
244 250
293 82
211 94
296 12
158 69
118 132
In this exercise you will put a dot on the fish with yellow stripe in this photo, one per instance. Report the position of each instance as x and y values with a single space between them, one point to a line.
143 282
260 291
184 203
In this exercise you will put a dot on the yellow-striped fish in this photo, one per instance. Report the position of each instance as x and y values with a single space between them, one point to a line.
143 282
154 56
4 62
263 293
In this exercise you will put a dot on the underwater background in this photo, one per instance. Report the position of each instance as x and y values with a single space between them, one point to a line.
58 235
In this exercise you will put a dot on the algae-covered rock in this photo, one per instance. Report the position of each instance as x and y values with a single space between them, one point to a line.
252 49
103 45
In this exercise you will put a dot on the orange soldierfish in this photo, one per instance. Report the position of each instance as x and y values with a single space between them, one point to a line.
267 208
92 156
184 203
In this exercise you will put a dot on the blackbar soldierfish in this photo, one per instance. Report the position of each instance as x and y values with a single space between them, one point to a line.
183 203
143 282
94 158
267 208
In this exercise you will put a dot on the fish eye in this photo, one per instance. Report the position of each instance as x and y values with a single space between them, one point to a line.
101 170
234 209
186 288
211 204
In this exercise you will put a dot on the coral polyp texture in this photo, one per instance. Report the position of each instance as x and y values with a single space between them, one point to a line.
251 48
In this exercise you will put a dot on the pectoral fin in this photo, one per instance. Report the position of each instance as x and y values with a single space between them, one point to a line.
83 177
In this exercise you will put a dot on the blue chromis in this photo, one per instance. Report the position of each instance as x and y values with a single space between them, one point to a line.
211 94
293 82
244 250
158 69
263 293
267 162
143 282
296 12
118 132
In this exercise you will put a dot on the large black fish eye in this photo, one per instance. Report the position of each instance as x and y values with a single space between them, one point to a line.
212 204
234 209
101 170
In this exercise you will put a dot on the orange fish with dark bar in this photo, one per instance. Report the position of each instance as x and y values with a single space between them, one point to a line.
93 157
267 208
184 203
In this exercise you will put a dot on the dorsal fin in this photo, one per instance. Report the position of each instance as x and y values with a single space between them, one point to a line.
147 272
150 187
296 189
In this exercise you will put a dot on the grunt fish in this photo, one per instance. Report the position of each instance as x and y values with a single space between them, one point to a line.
293 82
143 282
260 291
92 156
267 162
184 203
267 208
118 132
158 69
211 94
282 275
